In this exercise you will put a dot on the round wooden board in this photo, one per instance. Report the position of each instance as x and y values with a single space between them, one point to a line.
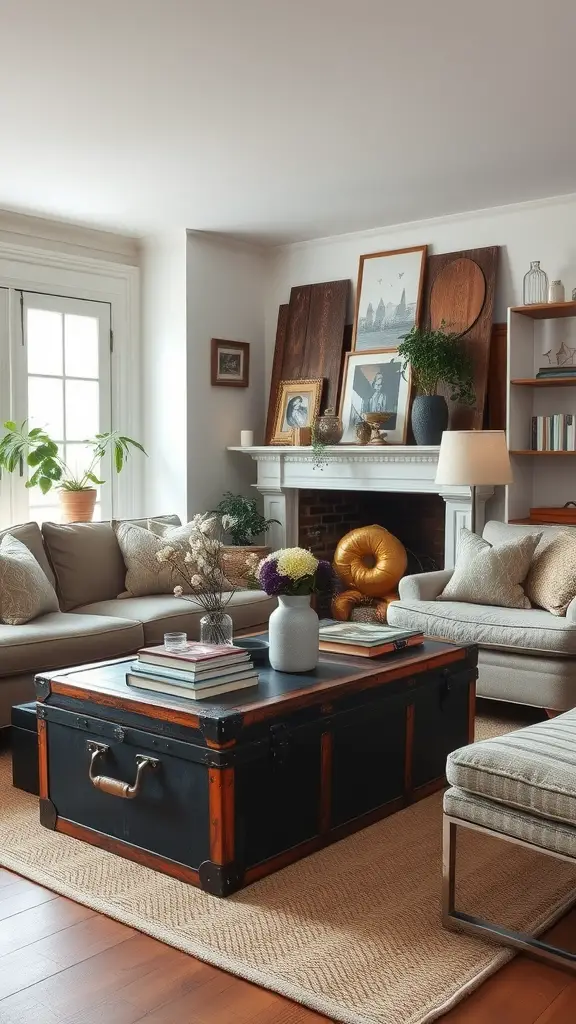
458 296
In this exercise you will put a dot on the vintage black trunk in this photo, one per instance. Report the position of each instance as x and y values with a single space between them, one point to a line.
227 793
24 743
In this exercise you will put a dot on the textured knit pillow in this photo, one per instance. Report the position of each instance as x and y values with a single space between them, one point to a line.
551 582
491 575
144 573
25 590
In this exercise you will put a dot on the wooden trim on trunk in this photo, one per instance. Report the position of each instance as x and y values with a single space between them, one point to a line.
168 713
42 760
409 750
421 792
122 849
221 812
326 752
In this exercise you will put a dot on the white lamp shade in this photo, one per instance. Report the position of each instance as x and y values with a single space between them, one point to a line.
474 457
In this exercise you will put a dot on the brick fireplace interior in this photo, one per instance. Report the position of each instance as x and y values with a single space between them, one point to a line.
416 519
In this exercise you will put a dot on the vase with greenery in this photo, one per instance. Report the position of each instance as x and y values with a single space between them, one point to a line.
77 491
243 523
436 356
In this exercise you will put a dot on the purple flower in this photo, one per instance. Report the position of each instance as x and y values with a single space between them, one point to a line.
324 575
272 581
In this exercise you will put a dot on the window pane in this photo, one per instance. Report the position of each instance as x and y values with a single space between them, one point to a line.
82 409
81 345
45 405
49 514
35 494
44 341
78 458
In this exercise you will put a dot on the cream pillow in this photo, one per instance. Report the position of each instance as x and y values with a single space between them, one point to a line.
144 573
551 582
25 591
491 575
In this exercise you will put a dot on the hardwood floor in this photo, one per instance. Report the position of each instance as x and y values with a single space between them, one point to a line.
61 963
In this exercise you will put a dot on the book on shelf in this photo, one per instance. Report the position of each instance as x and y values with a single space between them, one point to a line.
556 371
195 658
555 433
364 639
176 688
219 676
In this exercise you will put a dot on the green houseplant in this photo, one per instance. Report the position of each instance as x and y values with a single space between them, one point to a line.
435 356
243 522
40 452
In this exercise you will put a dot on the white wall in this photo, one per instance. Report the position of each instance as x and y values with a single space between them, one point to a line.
544 230
163 384
225 299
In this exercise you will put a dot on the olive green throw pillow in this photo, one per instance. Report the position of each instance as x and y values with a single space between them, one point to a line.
486 574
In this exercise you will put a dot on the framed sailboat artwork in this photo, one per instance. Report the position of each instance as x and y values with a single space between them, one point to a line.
388 297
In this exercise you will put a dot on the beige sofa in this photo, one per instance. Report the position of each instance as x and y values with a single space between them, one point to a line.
84 563
525 656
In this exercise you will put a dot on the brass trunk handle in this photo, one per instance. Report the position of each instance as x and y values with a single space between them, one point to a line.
115 787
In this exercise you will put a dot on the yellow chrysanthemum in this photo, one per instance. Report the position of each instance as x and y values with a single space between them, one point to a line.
296 563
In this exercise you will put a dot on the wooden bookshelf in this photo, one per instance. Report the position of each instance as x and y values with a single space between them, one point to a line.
528 451
544 382
546 310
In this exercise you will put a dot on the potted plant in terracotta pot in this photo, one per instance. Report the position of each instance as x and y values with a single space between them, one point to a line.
435 357
243 522
77 492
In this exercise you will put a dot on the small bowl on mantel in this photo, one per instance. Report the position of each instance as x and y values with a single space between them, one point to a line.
257 648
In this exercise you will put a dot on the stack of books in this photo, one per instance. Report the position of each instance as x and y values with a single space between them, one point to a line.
364 639
198 672
556 371
555 433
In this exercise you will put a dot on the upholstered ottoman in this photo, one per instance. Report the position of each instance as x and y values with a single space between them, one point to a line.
520 787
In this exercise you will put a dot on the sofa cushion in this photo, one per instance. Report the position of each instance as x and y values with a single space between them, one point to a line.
25 591
29 534
514 629
551 582
500 533
533 769
61 639
164 613
544 832
87 561
491 575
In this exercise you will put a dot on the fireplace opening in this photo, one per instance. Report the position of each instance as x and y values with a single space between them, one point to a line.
417 520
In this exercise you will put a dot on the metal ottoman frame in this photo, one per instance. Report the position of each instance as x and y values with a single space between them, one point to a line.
458 921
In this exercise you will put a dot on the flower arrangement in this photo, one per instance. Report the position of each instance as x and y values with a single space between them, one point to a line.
200 569
294 572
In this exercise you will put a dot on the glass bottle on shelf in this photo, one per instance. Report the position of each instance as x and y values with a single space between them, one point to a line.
535 285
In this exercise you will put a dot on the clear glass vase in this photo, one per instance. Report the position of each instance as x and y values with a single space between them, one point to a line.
216 628
535 285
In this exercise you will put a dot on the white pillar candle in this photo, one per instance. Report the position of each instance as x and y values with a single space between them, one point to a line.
246 438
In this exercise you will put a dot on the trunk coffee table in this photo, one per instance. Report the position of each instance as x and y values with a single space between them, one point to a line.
221 794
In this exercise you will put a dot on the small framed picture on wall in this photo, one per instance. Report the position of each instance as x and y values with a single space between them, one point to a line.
230 364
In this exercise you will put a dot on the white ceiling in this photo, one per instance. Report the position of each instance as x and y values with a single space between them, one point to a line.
279 121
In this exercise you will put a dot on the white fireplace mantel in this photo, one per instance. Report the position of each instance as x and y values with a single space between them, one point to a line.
404 469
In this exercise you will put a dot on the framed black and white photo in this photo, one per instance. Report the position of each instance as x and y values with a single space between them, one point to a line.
388 297
230 363
297 405
373 383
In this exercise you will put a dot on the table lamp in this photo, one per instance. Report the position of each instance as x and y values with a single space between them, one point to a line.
474 457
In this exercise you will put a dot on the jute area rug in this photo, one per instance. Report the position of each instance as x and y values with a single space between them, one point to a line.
352 932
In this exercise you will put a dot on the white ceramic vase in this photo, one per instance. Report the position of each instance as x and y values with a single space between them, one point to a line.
293 635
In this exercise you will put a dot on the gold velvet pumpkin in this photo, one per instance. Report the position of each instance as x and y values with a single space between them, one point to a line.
371 560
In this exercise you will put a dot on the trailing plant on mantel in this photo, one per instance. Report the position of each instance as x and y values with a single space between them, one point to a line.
438 357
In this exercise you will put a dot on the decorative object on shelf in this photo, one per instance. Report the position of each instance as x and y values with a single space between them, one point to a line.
564 514
388 297
459 290
246 438
310 340
373 383
301 436
328 427
230 363
376 421
201 573
363 432
474 458
370 561
574 295
243 522
435 357
293 575
77 490
556 292
535 288
297 405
